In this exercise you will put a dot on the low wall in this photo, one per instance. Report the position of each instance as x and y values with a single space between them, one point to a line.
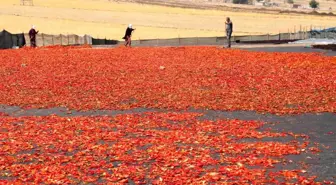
329 47
252 39
47 40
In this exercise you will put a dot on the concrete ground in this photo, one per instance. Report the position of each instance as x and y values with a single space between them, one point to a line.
288 48
300 48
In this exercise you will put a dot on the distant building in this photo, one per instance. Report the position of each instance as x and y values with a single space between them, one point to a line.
265 3
305 7
274 4
27 2
296 6
260 3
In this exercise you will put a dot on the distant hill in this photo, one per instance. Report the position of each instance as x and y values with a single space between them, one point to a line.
298 6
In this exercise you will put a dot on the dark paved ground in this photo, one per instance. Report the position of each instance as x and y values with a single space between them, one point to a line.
301 49
321 129
251 47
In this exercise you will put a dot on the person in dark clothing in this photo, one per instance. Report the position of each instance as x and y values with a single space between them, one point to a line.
229 29
32 37
128 35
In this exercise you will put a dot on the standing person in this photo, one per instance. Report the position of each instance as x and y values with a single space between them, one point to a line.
128 35
32 36
229 29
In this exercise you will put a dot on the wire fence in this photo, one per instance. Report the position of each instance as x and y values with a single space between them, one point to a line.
268 38
71 39
43 39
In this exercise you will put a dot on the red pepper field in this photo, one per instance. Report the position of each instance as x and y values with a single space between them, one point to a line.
150 116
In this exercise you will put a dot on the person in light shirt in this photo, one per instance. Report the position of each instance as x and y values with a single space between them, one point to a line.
229 30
